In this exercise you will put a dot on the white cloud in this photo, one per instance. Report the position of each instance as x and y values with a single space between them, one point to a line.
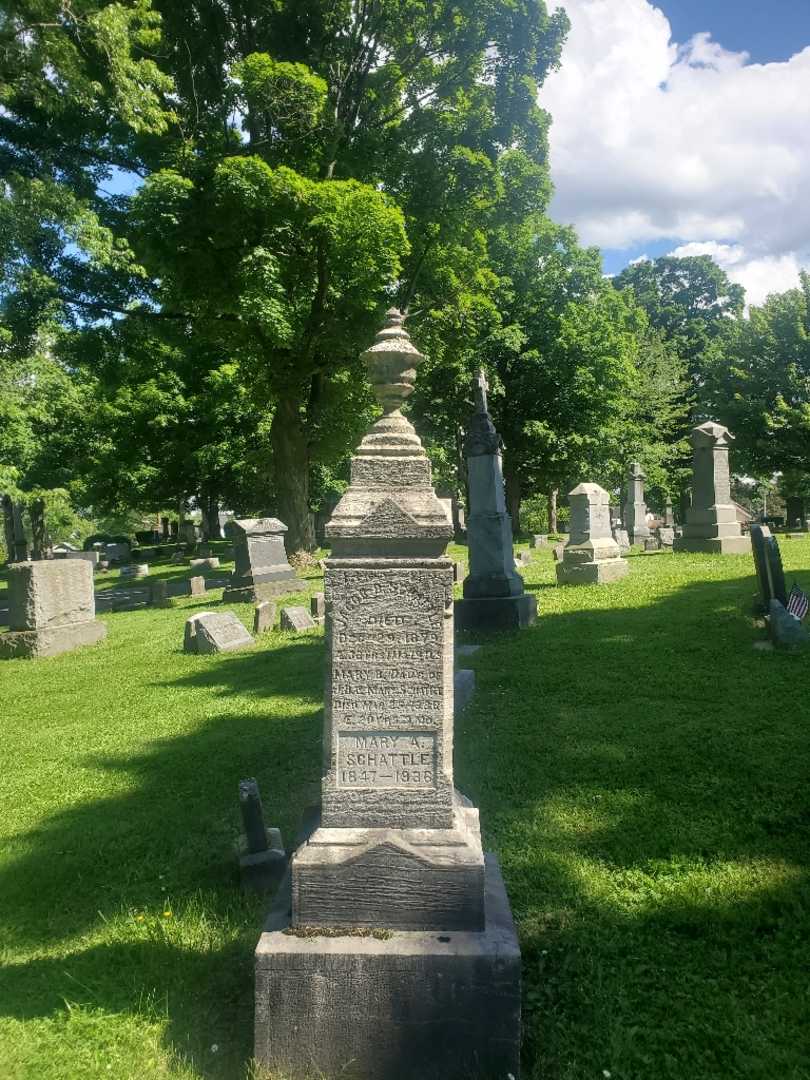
653 141
759 276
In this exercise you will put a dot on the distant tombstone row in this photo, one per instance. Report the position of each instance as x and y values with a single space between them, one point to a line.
51 609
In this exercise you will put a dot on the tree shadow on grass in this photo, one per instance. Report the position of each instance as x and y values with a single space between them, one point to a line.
168 842
644 780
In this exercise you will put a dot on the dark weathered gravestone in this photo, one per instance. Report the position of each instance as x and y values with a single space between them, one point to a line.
296 619
159 594
165 532
436 992
261 570
768 565
264 616
494 597
261 858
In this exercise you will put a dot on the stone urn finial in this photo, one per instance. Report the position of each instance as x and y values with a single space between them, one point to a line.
392 361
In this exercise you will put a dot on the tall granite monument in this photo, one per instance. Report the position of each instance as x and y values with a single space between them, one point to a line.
711 521
261 570
494 598
635 509
396 956
592 555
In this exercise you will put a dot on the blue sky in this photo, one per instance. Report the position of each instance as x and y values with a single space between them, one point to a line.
682 126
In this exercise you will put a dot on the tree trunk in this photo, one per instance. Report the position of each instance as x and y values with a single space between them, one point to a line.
36 512
513 498
210 516
290 444
552 510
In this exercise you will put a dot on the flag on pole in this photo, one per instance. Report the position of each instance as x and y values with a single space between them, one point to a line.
798 604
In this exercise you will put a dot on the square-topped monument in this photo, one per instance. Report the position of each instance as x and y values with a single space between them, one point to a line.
711 521
261 570
435 989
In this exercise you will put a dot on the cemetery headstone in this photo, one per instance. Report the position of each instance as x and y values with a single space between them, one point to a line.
91 557
296 619
188 532
159 594
768 565
494 598
175 530
117 552
794 512
711 521
463 689
165 532
436 991
215 631
51 609
196 585
539 540
591 555
264 616
205 564
558 551
262 860
135 570
669 515
261 570
651 543
784 629
317 607
623 540
635 509
666 537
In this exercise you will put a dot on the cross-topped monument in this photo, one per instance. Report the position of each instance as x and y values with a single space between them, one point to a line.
397 848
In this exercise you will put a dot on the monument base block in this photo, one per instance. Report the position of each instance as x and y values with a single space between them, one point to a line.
30 644
495 612
595 573
403 1005
259 591
714 545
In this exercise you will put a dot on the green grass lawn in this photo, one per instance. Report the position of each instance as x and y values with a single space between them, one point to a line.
641 771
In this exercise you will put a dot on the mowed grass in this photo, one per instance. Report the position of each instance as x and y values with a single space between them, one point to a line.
641 770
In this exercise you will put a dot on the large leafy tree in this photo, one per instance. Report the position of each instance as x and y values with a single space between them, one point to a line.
278 144
762 387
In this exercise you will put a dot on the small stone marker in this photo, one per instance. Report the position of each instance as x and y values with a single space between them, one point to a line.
135 570
196 585
52 608
666 537
711 521
539 540
785 630
261 857
264 616
208 563
92 557
317 607
651 543
463 689
591 555
623 540
159 594
558 551
523 558
296 619
215 631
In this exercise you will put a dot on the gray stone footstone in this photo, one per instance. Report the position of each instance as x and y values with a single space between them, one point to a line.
196 585
317 607
464 688
260 872
296 619
264 616
785 631
211 632
462 991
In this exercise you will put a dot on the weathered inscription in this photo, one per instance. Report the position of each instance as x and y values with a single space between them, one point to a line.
386 759
388 646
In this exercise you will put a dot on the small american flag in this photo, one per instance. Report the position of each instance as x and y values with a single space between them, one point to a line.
798 604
